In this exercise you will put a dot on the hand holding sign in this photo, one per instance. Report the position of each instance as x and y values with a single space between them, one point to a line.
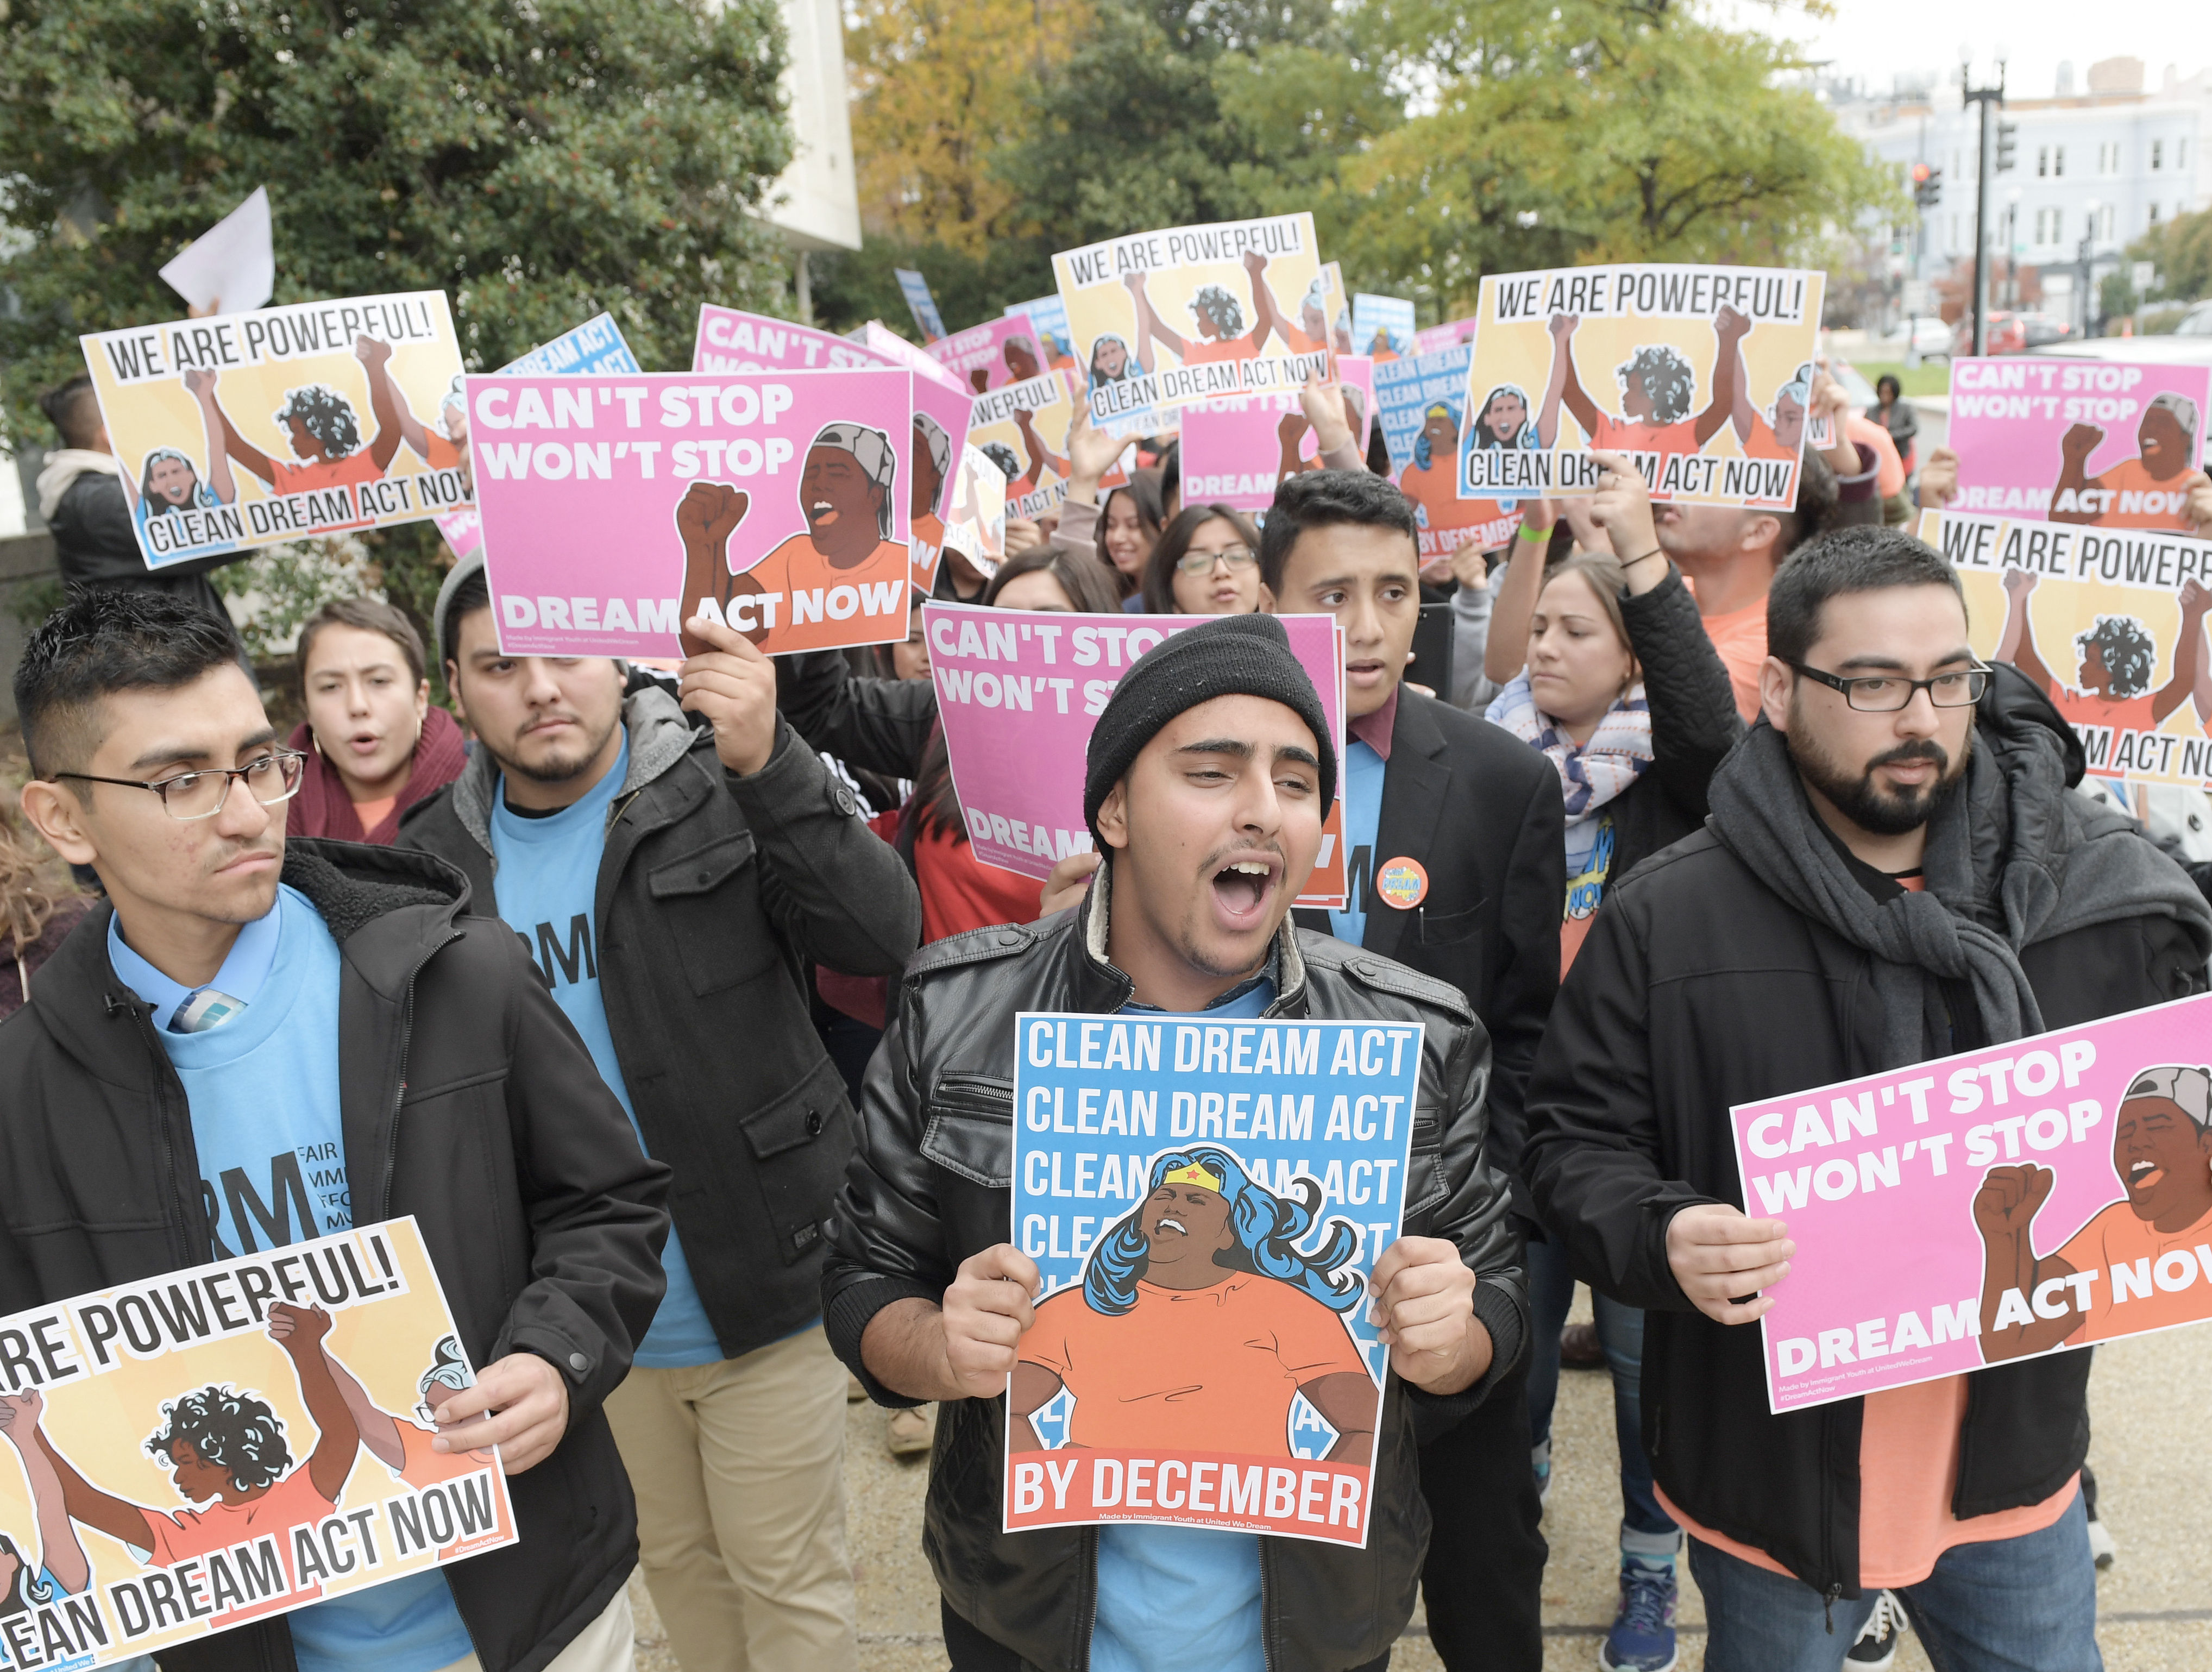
1423 1301
1323 403
1716 1255
985 1311
1622 506
521 1406
727 679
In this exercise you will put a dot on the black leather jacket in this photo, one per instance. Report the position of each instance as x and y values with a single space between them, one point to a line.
930 1185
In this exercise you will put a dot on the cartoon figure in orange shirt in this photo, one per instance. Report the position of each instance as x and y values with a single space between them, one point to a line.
229 1455
1199 1322
1310 334
446 447
2162 1153
1775 435
1218 315
2150 490
845 494
2119 657
403 1445
326 431
932 462
1657 386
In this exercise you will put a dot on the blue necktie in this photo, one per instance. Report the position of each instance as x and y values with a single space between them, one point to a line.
203 1008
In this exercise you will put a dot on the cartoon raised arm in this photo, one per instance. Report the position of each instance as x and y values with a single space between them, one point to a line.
1729 328
1041 456
2004 1213
384 400
1149 328
379 1429
2075 449
60 1552
300 1331
235 446
1270 318
2016 644
1566 384
104 1513
200 381
705 517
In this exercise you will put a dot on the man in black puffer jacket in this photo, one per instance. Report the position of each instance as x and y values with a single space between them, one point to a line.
1212 756
1891 873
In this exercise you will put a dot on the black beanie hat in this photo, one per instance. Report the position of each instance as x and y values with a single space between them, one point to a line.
1228 656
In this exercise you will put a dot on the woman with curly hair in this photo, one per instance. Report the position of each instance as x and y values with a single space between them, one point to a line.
35 916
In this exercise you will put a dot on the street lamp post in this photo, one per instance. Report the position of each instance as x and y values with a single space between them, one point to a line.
1990 100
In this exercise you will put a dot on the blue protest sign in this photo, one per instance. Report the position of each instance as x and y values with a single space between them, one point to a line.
1205 1201
919 303
595 346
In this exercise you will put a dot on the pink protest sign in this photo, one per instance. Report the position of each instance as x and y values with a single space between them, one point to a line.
1235 453
1017 692
731 340
941 405
615 507
992 354
2078 440
1429 339
2036 1196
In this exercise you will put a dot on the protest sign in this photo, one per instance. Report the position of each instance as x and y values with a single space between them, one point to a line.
974 522
1205 1201
940 434
233 265
1050 315
1381 326
2035 1196
919 303
1018 692
1023 427
2094 442
247 429
1419 402
1700 375
992 354
1190 313
247 1436
1336 307
729 339
1450 335
787 516
1237 452
2108 623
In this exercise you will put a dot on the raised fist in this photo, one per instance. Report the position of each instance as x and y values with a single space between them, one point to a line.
296 1327
370 352
709 513
1563 325
200 380
2019 582
1730 322
2007 1203
2080 441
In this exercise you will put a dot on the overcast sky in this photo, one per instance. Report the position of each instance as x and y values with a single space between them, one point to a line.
1877 40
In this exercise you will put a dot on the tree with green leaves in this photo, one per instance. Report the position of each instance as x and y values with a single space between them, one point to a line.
539 160
2181 252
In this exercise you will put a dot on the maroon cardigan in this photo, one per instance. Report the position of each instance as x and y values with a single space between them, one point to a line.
322 808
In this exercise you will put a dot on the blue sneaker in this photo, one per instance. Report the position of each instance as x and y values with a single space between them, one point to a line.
1643 1635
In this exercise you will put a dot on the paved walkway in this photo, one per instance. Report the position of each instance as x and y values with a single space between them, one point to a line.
2147 1401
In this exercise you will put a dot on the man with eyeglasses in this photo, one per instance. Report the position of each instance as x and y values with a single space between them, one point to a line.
264 1042
1894 870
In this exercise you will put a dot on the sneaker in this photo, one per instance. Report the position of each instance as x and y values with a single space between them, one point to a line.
1643 1635
1876 1647
912 1431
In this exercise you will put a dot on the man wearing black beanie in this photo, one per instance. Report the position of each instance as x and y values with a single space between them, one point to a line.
1206 780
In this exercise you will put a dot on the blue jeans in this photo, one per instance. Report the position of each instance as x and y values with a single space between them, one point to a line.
1620 1331
2026 1604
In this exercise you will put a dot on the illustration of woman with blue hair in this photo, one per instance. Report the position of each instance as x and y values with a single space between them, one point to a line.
1428 478
1200 1320
170 484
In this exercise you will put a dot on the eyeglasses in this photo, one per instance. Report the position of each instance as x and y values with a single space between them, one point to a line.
1885 693
1202 562
272 779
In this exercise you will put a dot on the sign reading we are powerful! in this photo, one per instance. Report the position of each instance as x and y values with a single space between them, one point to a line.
1204 1201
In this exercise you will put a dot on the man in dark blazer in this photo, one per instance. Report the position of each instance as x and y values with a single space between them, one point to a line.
1455 842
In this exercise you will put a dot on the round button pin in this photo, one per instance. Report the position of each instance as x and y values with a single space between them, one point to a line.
1403 883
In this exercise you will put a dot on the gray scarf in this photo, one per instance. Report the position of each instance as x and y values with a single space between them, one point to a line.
2012 859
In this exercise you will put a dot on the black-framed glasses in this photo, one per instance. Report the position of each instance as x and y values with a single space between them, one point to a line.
273 779
1885 693
1203 562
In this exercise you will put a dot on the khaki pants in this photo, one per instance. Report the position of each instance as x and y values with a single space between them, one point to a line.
739 1471
603 1645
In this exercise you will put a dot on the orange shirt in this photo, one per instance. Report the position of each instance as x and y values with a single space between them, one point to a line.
1225 347
795 566
2116 1237
1764 443
1908 1469
2129 477
927 541
1299 343
1199 1370
439 451
959 892
355 467
2122 713
374 813
180 1534
1623 435
1740 636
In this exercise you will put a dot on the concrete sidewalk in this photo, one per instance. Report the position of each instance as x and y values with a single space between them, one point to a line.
2156 1602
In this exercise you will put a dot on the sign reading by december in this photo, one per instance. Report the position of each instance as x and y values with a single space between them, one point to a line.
1205 1201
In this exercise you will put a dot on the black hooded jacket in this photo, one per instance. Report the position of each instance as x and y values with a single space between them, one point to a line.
1700 989
468 1101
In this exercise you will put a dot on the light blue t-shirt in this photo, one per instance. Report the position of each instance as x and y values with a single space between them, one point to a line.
1181 1599
546 882
1363 814
263 1088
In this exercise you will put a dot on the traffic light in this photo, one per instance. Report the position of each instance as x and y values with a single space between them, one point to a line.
2007 145
1927 185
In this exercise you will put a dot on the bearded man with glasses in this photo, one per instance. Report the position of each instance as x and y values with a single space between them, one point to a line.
261 1043
1894 871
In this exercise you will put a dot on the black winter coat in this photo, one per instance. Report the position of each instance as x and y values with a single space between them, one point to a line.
1700 989
714 891
95 545
932 1184
468 1101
